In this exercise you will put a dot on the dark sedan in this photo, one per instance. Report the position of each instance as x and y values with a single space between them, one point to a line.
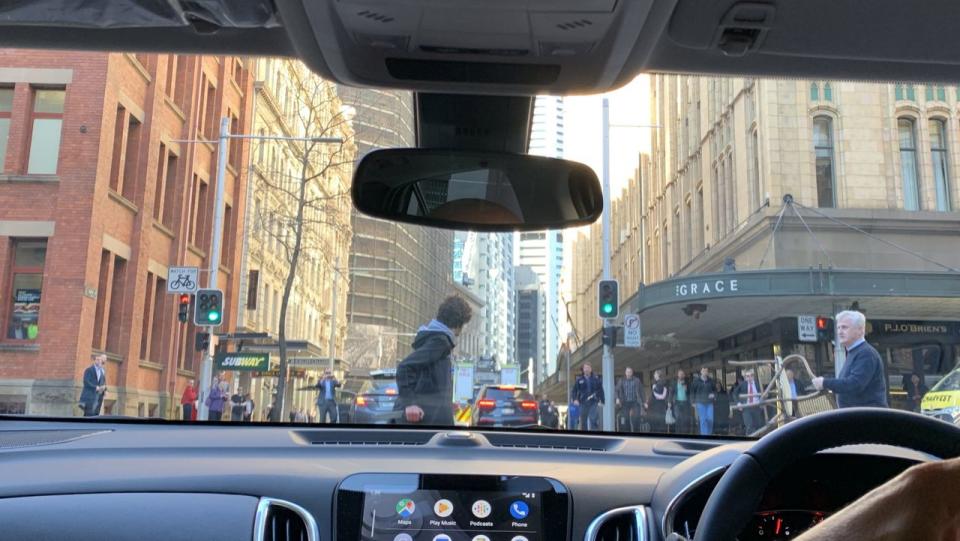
374 402
505 405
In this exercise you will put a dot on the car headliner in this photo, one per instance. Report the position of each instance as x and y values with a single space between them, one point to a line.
558 46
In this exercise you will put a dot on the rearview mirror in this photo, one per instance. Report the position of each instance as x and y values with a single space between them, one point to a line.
476 190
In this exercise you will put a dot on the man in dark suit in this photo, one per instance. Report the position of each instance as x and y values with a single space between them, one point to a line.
862 381
745 393
587 393
94 385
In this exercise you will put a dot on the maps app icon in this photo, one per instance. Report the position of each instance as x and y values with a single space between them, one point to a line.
406 507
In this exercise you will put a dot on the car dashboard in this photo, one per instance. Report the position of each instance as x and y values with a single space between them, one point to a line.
133 480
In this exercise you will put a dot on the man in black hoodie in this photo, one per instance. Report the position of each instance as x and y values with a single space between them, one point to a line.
425 377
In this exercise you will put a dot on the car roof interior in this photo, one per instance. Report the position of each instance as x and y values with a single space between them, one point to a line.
519 47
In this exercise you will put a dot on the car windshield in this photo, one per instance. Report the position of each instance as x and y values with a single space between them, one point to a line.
950 383
178 243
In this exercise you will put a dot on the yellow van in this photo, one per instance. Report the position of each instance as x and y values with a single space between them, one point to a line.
943 400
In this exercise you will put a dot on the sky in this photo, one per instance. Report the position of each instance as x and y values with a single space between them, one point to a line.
583 142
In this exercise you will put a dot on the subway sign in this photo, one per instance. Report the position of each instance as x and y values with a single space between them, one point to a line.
242 361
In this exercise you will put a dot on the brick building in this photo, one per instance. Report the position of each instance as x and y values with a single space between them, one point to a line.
97 199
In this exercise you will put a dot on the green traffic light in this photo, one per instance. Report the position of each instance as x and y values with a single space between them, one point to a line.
214 316
608 308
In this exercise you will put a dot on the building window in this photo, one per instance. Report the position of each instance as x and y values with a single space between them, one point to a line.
235 144
938 152
757 186
941 93
937 93
164 202
170 84
827 92
823 149
26 288
6 107
905 92
151 337
110 302
47 119
908 163
814 92
688 237
126 154
198 215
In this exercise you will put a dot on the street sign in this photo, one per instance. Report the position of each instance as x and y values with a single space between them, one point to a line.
631 330
242 361
510 375
312 362
807 328
183 279
463 382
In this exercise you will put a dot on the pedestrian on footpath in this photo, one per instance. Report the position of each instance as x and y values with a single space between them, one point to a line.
630 398
587 393
188 401
704 395
657 407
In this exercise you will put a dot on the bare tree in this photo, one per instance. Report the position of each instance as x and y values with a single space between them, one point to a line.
308 213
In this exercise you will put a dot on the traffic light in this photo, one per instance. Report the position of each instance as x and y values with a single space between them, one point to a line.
825 332
202 341
184 314
208 310
608 299
610 335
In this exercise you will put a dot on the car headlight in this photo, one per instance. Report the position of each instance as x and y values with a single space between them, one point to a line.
950 415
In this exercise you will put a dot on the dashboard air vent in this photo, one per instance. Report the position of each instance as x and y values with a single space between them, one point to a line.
623 524
365 438
279 520
554 442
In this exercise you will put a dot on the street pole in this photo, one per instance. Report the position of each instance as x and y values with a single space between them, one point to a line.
607 362
333 316
206 374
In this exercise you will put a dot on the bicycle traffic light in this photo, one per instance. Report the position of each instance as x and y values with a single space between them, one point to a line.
208 310
184 314
608 299
825 332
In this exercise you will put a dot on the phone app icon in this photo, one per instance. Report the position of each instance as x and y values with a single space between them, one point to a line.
443 508
480 538
519 510
403 537
481 509
406 507
442 537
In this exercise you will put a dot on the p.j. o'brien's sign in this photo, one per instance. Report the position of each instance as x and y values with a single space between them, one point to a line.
707 287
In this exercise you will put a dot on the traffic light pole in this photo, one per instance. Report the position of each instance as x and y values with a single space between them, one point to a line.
206 370
607 360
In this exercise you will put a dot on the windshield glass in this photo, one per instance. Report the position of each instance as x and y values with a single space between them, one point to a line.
949 383
177 242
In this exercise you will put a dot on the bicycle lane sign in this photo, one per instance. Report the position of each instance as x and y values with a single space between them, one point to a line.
183 279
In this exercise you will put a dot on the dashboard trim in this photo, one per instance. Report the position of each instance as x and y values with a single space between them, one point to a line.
259 524
671 508
640 515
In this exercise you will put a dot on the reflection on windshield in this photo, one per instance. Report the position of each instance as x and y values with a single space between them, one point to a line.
782 247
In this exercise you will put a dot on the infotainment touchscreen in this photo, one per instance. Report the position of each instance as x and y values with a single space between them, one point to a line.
410 507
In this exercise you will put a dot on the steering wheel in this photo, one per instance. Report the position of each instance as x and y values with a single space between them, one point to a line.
741 488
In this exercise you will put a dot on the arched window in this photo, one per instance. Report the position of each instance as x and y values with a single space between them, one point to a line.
898 93
907 135
823 150
827 92
938 154
814 92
